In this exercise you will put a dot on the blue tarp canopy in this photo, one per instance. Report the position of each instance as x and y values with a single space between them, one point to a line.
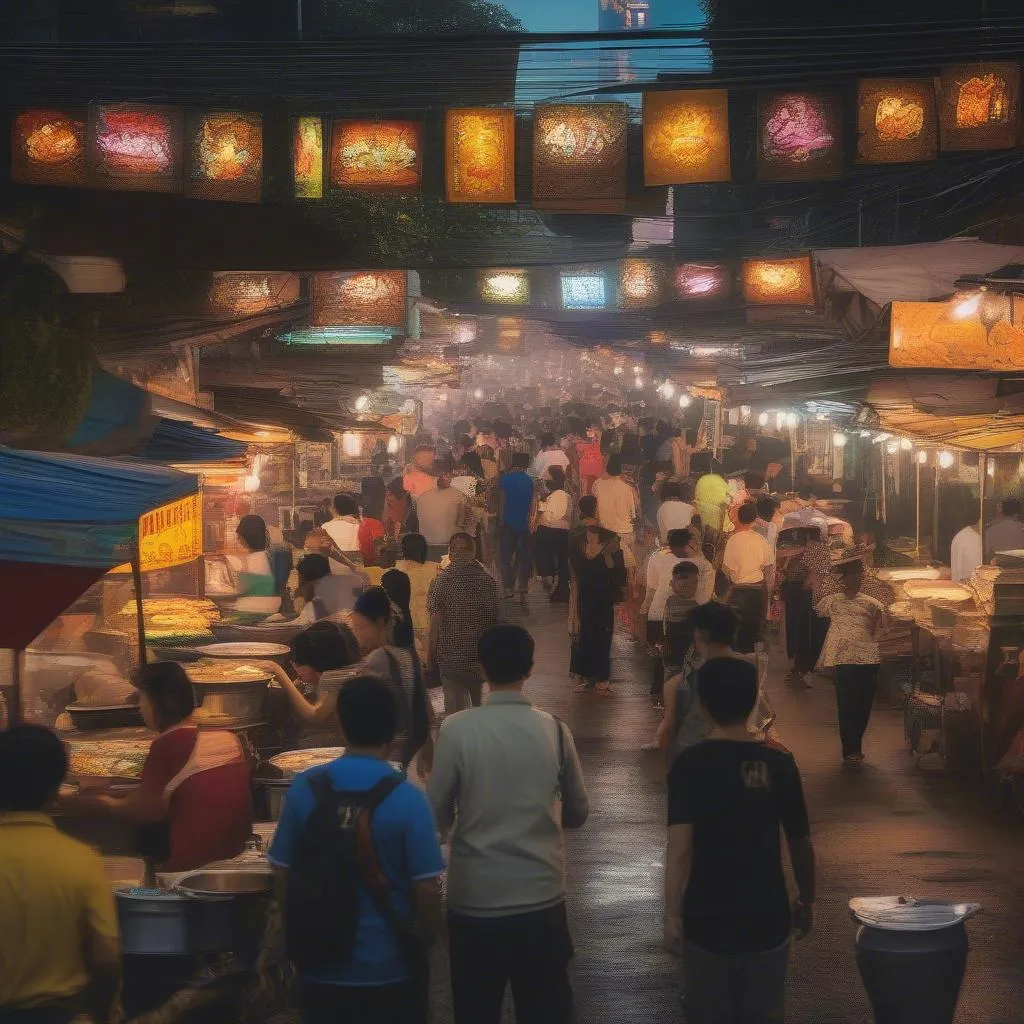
173 441
78 510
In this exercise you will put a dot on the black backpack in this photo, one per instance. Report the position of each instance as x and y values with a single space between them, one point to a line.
333 856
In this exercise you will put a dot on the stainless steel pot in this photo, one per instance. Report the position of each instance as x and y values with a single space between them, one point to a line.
241 701
276 789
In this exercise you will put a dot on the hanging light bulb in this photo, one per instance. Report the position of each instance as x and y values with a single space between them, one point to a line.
478 394
251 483
946 459
839 440
668 389
362 402
394 444
762 420
685 401
906 444
922 457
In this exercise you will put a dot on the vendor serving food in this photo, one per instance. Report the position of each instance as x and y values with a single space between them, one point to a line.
193 802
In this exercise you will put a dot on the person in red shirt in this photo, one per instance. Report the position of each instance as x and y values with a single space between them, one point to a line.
371 523
193 805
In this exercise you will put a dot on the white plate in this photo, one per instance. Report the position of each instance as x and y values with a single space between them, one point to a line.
888 913
244 650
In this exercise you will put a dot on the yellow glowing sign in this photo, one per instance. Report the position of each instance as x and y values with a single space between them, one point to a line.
686 137
480 147
506 287
170 535
779 282
308 158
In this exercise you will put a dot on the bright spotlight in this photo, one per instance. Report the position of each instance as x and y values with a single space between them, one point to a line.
839 440
946 459
685 401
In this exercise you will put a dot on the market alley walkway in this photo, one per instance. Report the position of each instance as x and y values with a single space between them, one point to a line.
890 830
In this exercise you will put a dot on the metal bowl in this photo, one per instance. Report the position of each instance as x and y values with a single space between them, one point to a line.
226 883
242 702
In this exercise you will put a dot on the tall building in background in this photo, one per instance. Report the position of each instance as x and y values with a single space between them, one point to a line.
623 15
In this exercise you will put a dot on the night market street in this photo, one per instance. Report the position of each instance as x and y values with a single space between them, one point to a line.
891 830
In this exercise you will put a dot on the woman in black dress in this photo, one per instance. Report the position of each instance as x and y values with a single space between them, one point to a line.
599 579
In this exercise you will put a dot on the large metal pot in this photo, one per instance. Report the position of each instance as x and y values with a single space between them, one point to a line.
230 701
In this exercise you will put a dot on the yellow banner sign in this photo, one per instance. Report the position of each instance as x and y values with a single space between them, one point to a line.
961 334
172 534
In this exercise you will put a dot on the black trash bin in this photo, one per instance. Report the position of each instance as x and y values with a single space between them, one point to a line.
911 957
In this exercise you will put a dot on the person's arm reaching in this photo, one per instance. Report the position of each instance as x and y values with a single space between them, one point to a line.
322 712
575 801
678 865
443 786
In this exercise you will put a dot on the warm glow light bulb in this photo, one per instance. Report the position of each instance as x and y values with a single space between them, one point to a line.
362 402
685 401
668 390
394 444
478 394
762 420
251 483
906 444
639 383
946 459
922 457
839 440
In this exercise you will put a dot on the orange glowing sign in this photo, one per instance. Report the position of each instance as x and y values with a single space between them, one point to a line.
226 157
480 154
308 157
980 107
639 284
240 293
896 120
778 282
372 298
948 336
48 147
377 155
686 137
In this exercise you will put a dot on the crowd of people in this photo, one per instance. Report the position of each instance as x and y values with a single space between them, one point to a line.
401 590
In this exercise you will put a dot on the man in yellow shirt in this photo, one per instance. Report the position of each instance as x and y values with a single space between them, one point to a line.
711 496
59 951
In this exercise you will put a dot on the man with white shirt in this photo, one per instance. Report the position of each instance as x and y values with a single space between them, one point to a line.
965 554
673 512
659 586
549 455
749 564
442 512
618 506
343 529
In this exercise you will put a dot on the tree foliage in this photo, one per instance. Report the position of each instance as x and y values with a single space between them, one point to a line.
347 18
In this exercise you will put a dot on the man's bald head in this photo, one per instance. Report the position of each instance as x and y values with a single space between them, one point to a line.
462 548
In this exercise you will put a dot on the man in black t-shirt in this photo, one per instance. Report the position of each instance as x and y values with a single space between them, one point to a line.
725 890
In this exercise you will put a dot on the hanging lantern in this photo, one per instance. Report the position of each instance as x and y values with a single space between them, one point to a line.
639 284
308 157
778 282
980 107
136 148
505 287
946 459
896 120
377 156
839 440
48 147
351 444
697 281
800 137
584 290
480 155
236 293
374 298
686 137
225 157
579 156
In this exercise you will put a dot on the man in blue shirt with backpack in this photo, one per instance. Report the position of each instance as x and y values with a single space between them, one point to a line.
358 869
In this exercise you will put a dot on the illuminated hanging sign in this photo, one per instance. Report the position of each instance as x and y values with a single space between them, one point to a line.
585 290
308 157
696 281
505 287
134 147
238 293
980 107
480 155
48 147
896 122
171 535
377 156
778 282
799 137
958 334
686 137
579 154
639 284
225 157
373 298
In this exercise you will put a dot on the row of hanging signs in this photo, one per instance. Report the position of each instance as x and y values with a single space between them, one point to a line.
579 152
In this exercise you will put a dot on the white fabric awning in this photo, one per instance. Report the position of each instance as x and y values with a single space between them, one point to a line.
914 273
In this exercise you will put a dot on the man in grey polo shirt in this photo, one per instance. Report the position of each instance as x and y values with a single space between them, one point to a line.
508 777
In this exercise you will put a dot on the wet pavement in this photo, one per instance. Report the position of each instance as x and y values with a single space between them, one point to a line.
891 829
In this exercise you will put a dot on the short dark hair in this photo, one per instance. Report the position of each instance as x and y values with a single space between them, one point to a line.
322 647
169 690
366 711
444 466
718 620
556 477
253 531
506 654
685 568
33 764
753 481
766 508
313 567
747 513
414 547
804 492
670 489
1011 507
727 689
615 465
587 506
853 567
520 461
321 516
344 505
679 538
547 439
373 604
